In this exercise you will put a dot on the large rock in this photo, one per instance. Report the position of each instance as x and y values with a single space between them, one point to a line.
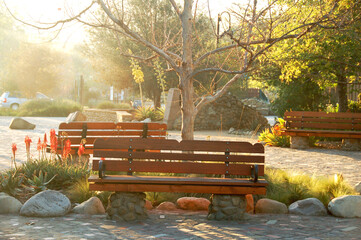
76 117
308 207
193 203
167 206
358 187
92 206
48 203
19 123
346 206
266 205
9 204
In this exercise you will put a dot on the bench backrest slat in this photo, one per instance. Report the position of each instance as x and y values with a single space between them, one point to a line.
322 114
75 131
323 121
178 167
172 144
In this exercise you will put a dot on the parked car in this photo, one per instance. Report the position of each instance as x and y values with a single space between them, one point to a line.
13 100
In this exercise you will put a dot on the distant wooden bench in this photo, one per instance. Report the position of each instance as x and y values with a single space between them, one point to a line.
88 132
322 124
217 167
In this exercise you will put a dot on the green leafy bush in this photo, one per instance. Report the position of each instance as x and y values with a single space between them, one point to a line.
48 108
273 137
112 105
7 112
354 106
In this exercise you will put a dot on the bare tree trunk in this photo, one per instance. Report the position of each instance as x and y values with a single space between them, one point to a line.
188 109
185 78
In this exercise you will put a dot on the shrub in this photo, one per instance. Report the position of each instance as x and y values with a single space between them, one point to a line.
149 112
273 137
48 108
112 105
288 187
7 112
354 106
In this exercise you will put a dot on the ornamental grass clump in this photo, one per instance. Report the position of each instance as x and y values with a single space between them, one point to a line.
291 186
273 137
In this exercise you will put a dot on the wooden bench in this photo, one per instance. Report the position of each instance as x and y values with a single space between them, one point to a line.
302 125
209 159
88 132
166 165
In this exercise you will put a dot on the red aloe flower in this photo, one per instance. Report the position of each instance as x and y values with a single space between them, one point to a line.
39 146
54 144
27 143
45 140
67 148
52 133
81 150
14 149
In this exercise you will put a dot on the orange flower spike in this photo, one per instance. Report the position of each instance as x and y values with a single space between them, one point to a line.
45 140
81 150
67 148
14 149
27 143
52 133
39 146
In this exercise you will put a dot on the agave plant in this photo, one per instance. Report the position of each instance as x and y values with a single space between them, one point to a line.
39 183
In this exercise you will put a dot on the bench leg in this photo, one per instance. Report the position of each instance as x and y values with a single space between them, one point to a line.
351 144
299 142
126 206
227 207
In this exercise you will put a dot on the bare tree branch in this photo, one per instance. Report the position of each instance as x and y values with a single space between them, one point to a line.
50 25
136 36
176 8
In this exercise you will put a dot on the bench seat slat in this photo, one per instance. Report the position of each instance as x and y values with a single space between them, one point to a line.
176 180
180 156
237 190
178 167
167 144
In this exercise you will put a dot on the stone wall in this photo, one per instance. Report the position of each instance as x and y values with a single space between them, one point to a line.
226 112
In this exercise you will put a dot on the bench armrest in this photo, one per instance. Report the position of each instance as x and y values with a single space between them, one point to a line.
254 173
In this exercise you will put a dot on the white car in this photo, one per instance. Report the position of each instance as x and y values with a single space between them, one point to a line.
14 100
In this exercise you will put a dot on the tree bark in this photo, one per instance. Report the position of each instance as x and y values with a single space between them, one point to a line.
342 92
185 75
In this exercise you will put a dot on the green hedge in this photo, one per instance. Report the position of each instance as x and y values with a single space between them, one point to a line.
48 108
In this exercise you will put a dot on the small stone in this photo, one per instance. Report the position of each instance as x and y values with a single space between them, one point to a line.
270 206
148 205
271 222
92 206
193 203
308 207
220 216
358 187
348 229
130 216
9 204
168 206
224 204
236 200
346 206
229 210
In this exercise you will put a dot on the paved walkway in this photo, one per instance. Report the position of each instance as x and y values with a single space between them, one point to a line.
183 225
189 225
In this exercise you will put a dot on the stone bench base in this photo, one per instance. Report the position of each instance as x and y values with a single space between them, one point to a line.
299 142
131 207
